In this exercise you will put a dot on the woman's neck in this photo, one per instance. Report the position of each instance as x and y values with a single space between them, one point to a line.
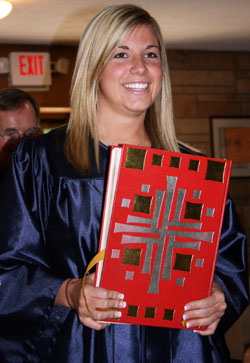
125 131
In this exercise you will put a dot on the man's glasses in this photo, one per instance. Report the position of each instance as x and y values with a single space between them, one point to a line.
14 134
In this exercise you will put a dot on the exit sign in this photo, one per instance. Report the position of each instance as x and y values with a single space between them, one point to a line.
30 69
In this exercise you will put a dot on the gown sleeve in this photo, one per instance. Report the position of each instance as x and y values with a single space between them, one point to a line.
28 282
231 267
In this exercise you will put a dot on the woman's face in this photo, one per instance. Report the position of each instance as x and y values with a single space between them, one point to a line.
131 80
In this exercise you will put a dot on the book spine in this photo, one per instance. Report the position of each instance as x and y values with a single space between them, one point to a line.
106 210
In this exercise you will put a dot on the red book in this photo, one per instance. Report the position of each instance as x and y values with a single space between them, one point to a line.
161 228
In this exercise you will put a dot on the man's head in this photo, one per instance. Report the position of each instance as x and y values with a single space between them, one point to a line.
19 117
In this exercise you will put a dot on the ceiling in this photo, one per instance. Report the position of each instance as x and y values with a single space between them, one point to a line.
186 24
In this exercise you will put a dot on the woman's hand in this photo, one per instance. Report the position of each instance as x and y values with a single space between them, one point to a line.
97 298
206 312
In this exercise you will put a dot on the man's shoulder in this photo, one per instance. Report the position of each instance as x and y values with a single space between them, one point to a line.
53 141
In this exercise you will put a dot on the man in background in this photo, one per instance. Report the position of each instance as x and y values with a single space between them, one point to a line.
19 118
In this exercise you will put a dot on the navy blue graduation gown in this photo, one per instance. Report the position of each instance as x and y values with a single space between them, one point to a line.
49 227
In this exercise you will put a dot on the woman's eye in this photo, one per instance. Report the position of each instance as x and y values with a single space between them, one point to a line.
151 55
121 55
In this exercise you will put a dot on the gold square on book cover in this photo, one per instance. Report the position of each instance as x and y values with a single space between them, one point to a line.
162 236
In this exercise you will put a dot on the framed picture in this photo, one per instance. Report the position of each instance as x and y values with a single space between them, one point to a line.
52 117
231 140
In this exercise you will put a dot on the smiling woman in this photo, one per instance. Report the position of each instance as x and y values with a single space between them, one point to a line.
129 84
51 211
106 33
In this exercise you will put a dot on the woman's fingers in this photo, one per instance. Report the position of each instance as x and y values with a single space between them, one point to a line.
209 330
101 293
206 312
107 304
101 303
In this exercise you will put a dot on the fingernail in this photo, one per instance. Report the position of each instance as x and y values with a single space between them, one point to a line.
118 314
196 331
120 296
188 325
184 317
186 308
123 304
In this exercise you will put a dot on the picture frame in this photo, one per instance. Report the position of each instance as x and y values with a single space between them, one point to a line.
231 140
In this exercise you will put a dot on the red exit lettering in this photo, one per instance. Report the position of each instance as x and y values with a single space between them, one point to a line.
31 65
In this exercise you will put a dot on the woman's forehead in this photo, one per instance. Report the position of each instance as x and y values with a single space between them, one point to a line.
141 33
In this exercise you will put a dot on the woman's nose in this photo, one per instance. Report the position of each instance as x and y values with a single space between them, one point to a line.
138 65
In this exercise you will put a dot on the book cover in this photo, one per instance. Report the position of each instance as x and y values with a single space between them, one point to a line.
161 228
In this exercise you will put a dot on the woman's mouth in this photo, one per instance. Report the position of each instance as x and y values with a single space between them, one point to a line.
137 86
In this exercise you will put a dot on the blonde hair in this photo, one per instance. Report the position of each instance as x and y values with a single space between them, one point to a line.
99 39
